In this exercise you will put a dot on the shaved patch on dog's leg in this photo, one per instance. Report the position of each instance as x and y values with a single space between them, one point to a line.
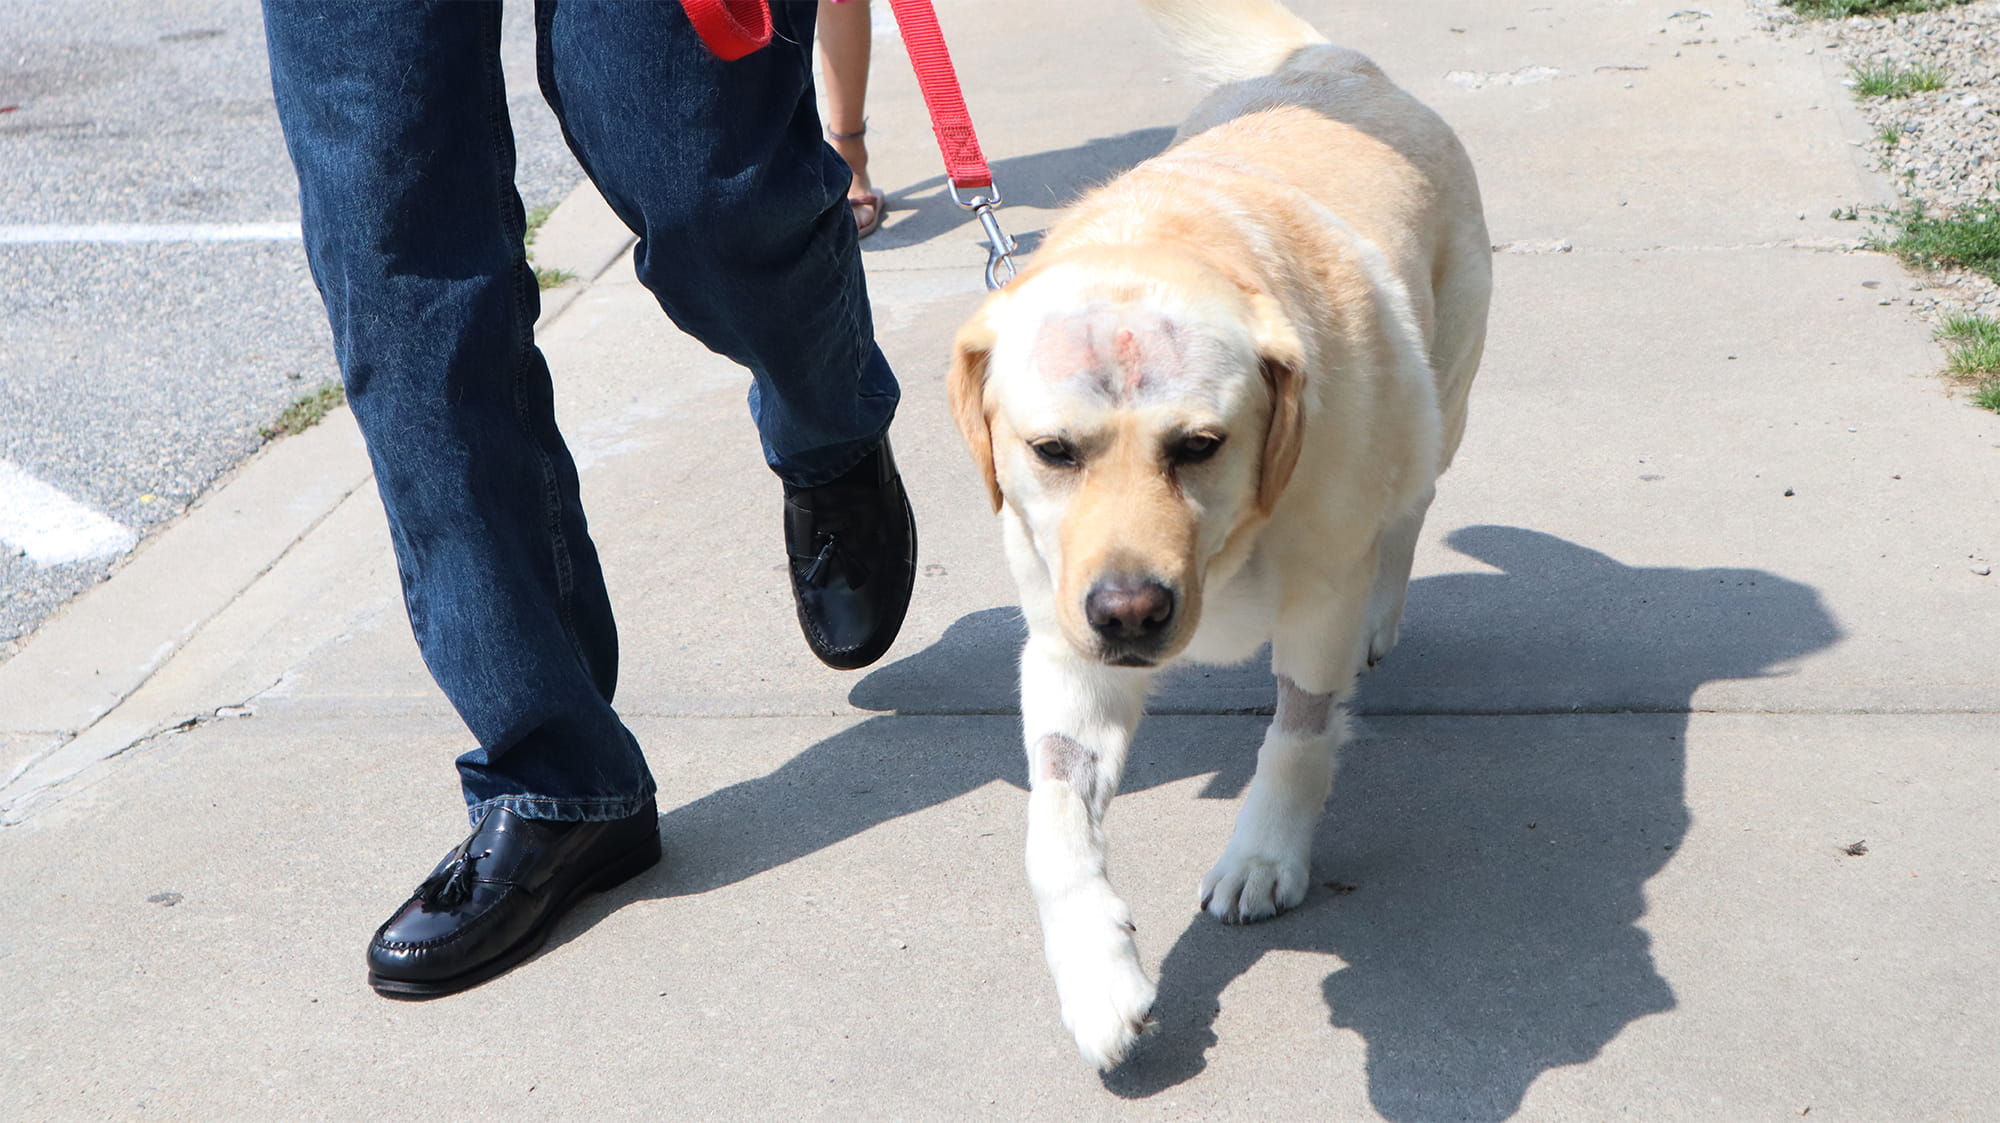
1301 714
1077 719
1061 757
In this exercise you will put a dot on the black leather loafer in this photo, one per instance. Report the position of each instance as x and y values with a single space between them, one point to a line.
491 903
853 550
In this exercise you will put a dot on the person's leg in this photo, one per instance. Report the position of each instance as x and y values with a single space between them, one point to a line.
746 240
846 34
396 119
739 207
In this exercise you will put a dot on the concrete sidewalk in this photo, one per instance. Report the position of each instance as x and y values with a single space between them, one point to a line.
1698 608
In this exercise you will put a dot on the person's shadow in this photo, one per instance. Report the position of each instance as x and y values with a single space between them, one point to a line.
1480 874
922 210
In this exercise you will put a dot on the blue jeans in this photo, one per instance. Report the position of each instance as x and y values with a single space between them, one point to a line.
396 120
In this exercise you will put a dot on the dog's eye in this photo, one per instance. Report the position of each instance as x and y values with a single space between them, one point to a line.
1195 448
1054 453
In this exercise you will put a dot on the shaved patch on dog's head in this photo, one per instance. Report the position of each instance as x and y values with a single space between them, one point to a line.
1131 358
1111 351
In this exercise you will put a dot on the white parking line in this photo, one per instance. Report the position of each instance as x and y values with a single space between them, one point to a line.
161 232
50 527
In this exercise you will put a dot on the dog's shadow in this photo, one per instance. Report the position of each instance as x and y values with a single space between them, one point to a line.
1480 876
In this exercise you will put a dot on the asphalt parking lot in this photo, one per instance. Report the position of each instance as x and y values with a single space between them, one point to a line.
151 321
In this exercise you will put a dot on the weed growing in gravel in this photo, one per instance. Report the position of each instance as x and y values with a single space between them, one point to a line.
1841 9
305 412
1967 238
1972 353
537 216
1972 343
1889 135
545 277
1886 79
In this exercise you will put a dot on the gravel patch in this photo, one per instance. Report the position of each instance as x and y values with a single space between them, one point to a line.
1941 148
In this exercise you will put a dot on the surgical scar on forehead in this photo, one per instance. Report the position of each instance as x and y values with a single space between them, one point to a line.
1117 352
1060 757
1301 714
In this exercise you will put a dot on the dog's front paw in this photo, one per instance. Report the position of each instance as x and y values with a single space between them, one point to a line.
1107 1000
1109 1014
1245 888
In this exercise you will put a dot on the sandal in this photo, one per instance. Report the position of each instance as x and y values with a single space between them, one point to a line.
868 207
871 201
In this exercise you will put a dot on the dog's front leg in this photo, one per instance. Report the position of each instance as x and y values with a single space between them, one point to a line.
1078 718
1316 651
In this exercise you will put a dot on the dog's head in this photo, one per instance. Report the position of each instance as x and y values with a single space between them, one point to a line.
1138 411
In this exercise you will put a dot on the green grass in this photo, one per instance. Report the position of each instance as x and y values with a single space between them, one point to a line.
1890 136
1987 396
304 412
1965 239
1972 342
545 277
1886 79
1841 9
536 217
1972 355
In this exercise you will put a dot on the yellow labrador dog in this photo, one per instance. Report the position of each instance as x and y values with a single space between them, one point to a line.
1211 414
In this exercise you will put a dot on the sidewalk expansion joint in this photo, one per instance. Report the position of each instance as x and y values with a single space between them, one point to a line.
1548 247
1267 711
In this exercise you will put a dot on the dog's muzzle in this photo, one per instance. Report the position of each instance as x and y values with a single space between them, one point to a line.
1131 617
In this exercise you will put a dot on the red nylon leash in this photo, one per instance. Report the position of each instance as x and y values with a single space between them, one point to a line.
971 181
964 164
732 29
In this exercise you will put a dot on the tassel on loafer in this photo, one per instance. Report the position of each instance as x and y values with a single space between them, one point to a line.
493 901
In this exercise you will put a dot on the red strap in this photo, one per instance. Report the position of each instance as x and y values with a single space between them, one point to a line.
730 28
964 165
734 28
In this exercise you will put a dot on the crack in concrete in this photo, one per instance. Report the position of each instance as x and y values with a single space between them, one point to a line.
16 807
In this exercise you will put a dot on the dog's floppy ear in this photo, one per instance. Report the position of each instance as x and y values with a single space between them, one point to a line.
967 386
1283 359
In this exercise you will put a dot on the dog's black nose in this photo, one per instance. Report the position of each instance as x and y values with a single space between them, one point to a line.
1126 609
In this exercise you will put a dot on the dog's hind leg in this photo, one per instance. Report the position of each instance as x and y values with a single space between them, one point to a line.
1316 651
1078 718
1392 578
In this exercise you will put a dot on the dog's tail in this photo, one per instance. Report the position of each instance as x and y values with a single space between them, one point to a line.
1232 40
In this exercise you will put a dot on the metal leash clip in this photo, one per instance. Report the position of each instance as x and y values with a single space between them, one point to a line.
999 247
